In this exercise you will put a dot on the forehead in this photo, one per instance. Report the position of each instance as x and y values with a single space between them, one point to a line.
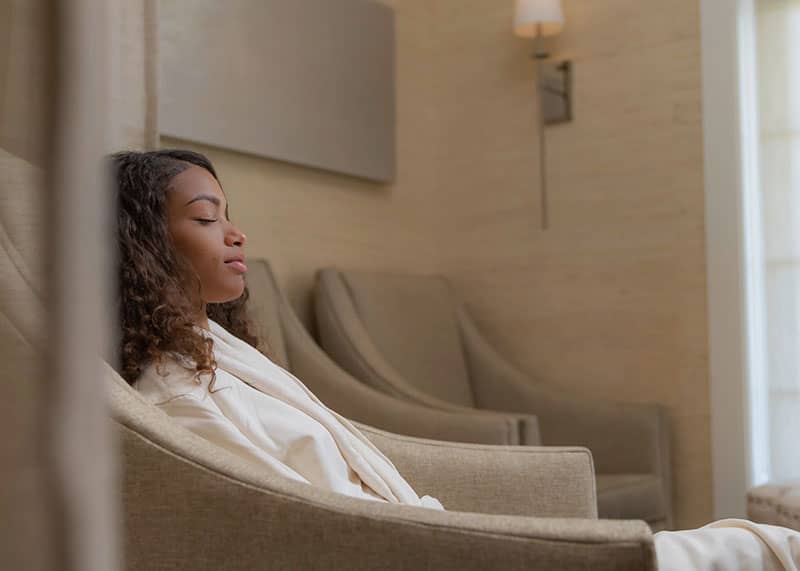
191 182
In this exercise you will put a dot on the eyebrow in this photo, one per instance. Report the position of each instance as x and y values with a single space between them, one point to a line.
209 197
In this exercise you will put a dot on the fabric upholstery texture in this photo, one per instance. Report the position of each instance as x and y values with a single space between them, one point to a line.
775 504
630 443
422 344
546 481
24 476
262 306
21 237
630 496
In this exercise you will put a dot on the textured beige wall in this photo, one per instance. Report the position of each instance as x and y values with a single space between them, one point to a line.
611 300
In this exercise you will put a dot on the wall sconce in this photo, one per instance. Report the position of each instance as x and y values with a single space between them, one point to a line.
538 19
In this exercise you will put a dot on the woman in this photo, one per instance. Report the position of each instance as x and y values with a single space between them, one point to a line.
187 347
186 344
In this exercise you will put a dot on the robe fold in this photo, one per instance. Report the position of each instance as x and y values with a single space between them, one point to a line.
264 414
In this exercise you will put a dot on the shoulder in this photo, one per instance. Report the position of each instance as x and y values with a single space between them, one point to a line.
170 379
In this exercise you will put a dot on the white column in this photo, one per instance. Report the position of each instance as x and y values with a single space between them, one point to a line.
733 250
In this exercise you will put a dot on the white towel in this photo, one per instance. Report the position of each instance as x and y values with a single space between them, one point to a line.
729 544
264 414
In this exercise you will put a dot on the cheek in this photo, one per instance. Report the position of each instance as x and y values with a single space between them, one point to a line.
219 282
205 255
212 259
199 253
193 246
210 265
182 241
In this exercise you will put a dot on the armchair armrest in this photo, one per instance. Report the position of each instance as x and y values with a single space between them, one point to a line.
623 438
511 480
345 337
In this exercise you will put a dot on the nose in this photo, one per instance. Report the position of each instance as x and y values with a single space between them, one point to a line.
235 237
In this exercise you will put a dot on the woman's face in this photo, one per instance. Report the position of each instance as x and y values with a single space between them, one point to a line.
197 218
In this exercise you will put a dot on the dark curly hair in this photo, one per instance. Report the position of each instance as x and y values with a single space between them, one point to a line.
155 310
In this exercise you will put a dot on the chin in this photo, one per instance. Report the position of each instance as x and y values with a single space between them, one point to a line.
227 296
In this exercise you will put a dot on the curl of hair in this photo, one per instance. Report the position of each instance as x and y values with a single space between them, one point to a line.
156 312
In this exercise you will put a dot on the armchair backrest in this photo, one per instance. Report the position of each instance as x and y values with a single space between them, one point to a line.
412 320
21 249
264 307
22 485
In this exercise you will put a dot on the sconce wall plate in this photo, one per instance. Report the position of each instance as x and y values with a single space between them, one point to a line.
555 89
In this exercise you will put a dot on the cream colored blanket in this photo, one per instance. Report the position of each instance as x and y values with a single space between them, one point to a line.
729 545
262 413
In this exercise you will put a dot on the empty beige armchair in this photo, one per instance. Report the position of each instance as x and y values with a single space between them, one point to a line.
408 336
290 345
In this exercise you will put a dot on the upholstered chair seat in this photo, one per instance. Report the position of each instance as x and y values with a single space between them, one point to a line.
408 336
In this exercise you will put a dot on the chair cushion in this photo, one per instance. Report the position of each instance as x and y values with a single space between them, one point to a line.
412 321
630 496
264 309
775 504
24 473
22 226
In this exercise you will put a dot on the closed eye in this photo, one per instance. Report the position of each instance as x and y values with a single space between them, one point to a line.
205 221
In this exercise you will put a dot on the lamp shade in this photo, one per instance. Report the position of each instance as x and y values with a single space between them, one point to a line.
534 17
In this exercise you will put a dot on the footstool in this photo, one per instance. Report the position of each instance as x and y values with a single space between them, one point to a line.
776 504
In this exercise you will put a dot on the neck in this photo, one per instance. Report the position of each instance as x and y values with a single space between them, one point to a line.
201 320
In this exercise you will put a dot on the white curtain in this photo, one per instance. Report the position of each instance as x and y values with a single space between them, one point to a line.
778 74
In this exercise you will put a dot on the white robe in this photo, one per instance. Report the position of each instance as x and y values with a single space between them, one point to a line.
262 413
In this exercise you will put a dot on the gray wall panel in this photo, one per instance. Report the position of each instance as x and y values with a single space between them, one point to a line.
304 81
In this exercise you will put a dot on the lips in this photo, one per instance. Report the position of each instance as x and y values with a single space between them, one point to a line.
236 264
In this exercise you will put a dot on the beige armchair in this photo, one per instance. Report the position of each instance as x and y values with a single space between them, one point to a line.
290 345
190 505
187 504
408 336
